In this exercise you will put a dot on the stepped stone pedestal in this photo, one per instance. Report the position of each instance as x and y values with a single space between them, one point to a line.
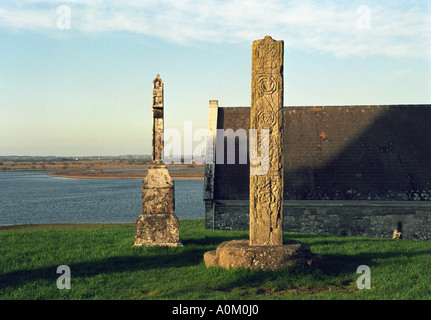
157 225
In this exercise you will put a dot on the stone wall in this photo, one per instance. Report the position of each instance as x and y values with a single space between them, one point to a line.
346 218
370 165
231 181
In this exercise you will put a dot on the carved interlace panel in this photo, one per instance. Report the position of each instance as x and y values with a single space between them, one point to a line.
266 186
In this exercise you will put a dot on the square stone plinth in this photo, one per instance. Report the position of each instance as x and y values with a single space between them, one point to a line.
157 230
157 225
240 254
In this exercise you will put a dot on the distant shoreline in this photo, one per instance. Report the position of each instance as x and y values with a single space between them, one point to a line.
175 175
25 227
98 169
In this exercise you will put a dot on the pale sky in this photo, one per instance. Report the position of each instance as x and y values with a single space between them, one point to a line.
76 76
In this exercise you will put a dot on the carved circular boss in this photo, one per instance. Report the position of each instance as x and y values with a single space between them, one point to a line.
266 84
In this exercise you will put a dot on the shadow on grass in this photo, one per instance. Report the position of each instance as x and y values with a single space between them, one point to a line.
152 258
191 254
212 240
338 264
115 264
323 239
375 251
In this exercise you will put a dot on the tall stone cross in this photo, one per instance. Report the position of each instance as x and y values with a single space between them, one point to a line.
266 186
157 225
157 142
265 248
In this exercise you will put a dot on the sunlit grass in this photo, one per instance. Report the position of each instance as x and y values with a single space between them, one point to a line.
105 265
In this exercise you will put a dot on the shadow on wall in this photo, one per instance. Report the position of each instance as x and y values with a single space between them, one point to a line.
359 153
342 153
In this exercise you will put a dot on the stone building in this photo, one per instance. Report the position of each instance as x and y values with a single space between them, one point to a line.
348 170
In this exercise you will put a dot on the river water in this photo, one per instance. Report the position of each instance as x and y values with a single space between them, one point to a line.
36 198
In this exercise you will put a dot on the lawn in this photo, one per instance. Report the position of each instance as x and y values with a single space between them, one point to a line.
105 265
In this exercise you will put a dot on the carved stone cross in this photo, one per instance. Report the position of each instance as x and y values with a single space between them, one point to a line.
157 224
265 249
266 188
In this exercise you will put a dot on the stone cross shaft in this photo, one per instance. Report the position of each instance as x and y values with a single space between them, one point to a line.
267 187
157 224
265 249
157 143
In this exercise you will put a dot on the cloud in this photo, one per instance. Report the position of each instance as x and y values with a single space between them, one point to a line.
401 73
335 27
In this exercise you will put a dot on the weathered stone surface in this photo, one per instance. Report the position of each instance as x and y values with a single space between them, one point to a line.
265 249
397 234
157 224
210 150
158 123
210 158
158 191
240 254
157 230
266 185
352 218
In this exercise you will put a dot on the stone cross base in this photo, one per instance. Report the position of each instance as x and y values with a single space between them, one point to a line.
239 253
157 230
157 225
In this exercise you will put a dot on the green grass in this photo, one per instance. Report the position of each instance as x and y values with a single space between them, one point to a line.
105 265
